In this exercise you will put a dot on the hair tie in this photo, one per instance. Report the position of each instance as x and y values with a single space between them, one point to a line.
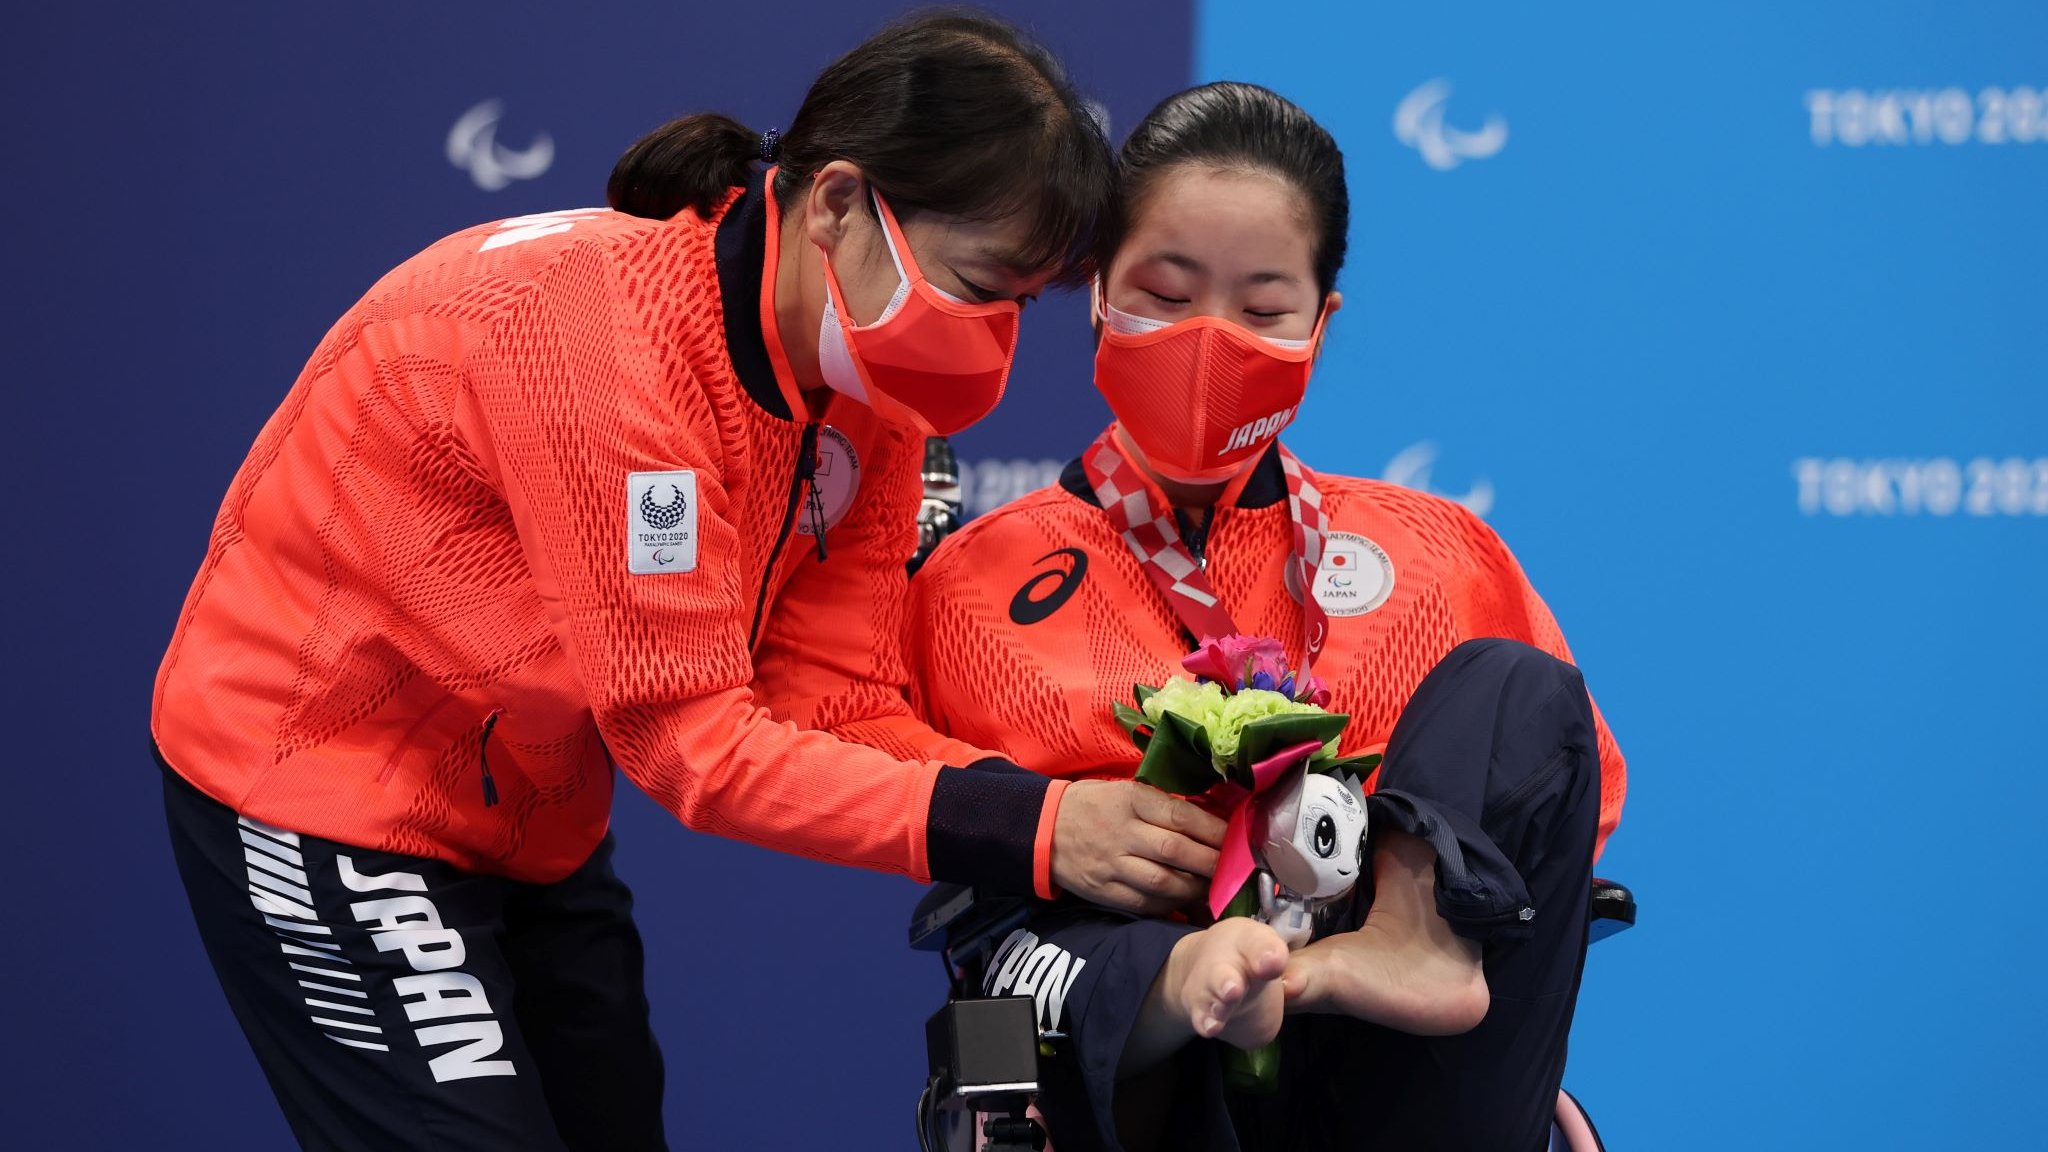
771 145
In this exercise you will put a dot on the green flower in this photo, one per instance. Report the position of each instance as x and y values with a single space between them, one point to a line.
1242 709
1201 703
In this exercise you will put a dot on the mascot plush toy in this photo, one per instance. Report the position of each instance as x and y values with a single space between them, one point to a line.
1311 849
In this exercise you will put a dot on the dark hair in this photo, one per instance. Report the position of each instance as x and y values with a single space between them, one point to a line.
1240 126
952 112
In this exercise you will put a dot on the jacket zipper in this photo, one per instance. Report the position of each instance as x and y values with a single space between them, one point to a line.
1195 535
806 464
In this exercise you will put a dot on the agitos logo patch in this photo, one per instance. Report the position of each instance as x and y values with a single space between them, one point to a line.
661 535
1046 592
662 517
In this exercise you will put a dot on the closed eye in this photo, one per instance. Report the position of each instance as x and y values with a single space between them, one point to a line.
1164 299
983 295
980 294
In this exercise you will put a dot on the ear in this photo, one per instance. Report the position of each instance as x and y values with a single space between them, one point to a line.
1331 303
836 196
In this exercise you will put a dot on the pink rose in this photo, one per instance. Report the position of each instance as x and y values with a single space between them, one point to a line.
1208 663
1229 660
1269 672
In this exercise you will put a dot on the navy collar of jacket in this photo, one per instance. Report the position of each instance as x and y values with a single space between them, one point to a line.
742 246
1266 487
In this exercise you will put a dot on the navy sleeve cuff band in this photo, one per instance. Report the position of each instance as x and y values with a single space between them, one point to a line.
983 826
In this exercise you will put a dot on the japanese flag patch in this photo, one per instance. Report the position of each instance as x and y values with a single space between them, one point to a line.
1355 577
661 522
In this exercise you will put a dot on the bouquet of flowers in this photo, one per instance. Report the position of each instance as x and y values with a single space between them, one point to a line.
1251 740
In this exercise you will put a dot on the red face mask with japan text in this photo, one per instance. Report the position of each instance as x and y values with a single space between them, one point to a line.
1201 397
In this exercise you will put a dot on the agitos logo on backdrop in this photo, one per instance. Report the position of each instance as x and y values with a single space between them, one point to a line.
1419 123
473 147
1411 468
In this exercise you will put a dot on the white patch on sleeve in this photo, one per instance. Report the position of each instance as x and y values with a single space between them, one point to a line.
661 522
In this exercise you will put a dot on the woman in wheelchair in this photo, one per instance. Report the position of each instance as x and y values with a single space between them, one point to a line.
1431 1010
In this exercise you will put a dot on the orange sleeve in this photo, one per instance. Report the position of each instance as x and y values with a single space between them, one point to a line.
573 395
831 654
1504 603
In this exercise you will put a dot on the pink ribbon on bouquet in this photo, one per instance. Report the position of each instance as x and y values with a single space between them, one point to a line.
1236 862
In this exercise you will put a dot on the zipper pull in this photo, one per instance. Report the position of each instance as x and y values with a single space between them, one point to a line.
1195 534
814 504
484 759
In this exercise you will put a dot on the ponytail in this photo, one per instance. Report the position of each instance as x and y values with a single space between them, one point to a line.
689 162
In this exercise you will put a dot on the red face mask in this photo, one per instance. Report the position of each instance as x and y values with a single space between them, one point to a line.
1201 397
931 361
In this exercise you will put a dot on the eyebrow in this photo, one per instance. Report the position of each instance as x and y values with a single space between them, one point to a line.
1184 261
1179 260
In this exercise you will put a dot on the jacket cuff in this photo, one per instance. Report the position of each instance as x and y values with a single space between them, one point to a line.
1041 848
982 829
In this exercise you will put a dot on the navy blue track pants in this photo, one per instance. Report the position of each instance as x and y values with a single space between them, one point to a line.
396 1002
1493 763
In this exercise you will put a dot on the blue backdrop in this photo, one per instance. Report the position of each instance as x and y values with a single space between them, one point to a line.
1734 313
1729 316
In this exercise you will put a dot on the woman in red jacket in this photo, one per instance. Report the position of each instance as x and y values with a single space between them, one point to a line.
630 487
1436 1002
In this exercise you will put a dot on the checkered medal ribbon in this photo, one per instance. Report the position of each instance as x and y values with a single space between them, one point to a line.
1305 511
1154 539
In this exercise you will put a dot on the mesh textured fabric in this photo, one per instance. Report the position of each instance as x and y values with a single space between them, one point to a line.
1152 375
1040 690
432 529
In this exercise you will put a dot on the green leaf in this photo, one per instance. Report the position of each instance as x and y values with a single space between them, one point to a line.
1359 766
1143 692
1270 734
1196 735
1173 764
1246 902
1131 718
1254 1071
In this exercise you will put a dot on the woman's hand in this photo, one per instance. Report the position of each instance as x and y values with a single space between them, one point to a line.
1130 847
